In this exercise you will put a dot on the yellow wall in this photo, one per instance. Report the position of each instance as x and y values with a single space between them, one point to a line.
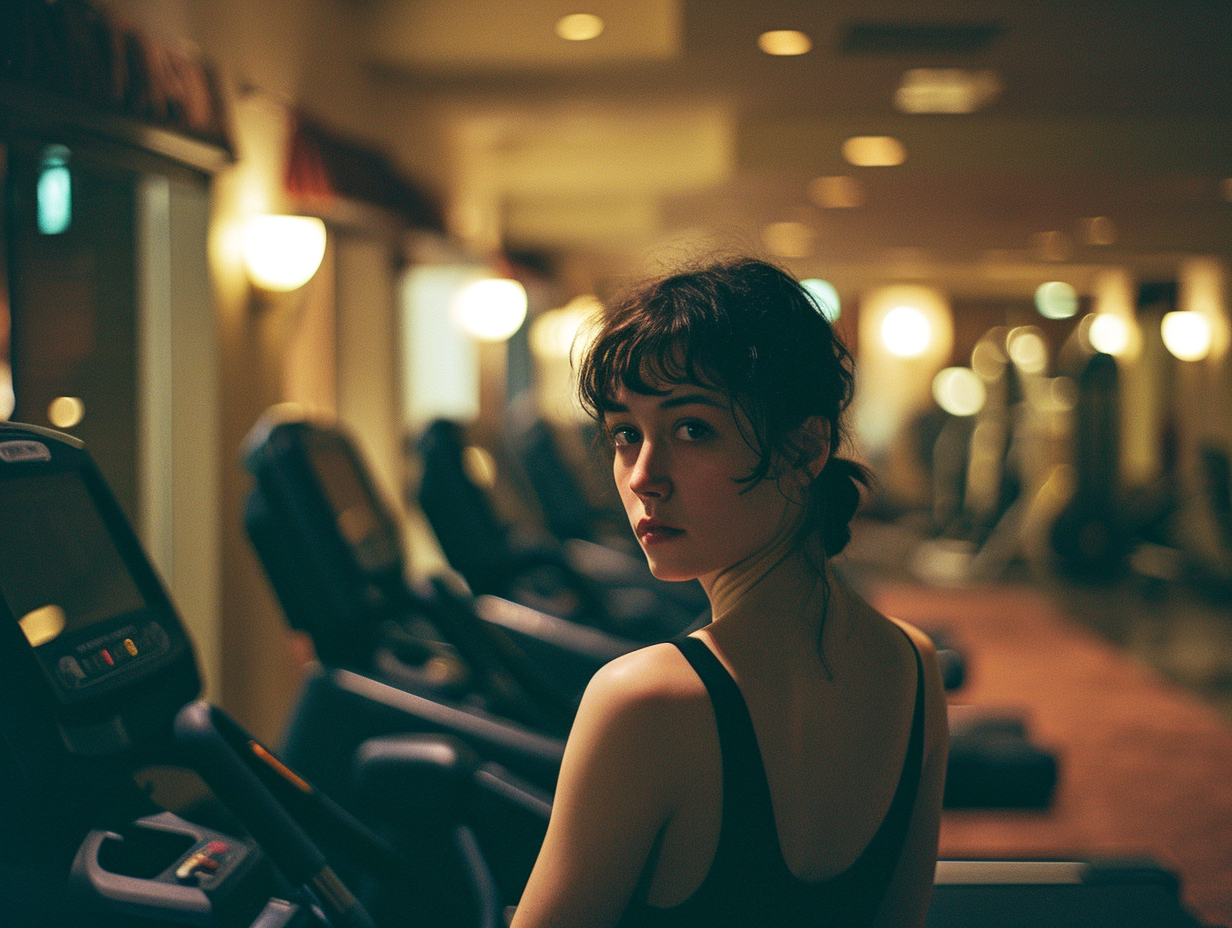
270 55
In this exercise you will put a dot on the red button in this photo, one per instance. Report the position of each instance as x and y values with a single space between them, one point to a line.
106 656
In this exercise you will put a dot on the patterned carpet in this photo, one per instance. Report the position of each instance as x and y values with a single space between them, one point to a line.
1145 769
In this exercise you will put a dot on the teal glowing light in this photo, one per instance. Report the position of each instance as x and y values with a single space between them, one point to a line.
826 297
55 191
1056 300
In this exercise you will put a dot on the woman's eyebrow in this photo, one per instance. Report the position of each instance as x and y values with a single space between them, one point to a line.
689 399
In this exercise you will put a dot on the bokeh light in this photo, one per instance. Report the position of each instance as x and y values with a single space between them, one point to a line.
906 332
1186 334
1109 333
1028 350
491 309
874 151
784 42
579 27
66 412
1056 300
959 391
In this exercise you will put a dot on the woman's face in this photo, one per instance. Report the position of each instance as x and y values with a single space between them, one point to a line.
677 460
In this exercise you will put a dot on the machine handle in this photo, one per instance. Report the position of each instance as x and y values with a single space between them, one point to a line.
214 745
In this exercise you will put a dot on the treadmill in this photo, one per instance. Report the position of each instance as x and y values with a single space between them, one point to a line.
98 680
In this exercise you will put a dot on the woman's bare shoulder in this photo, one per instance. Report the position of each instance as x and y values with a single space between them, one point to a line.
654 677
920 639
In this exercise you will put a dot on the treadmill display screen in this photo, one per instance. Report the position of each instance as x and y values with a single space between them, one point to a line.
67 584
359 520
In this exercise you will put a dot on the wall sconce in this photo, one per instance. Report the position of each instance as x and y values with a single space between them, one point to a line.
1187 334
282 253
491 309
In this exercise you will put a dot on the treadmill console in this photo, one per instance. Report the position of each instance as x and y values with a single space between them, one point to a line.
94 662
329 544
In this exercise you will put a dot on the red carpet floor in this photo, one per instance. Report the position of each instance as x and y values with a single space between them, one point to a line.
1145 769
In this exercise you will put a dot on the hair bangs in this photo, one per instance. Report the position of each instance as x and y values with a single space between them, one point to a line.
649 354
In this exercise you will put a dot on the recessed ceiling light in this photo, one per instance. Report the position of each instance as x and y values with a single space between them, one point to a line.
946 90
788 239
839 192
874 151
579 27
784 42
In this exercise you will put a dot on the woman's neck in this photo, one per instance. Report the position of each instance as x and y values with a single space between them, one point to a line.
783 586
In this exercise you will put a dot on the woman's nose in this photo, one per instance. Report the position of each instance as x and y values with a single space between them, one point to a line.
649 477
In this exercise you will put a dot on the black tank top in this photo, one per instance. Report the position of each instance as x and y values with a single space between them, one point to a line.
749 883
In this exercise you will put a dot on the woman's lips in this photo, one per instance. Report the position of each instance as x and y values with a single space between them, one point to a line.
651 532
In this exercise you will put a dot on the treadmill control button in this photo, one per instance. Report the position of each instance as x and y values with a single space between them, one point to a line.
202 862
70 671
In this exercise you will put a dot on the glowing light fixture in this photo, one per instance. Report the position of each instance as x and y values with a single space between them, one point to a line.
66 412
988 359
1109 333
491 309
946 90
836 192
283 252
788 239
906 332
579 27
1056 300
784 42
1187 334
1027 350
874 151
826 296
54 192
959 391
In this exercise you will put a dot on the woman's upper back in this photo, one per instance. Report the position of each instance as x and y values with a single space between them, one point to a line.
832 740
748 879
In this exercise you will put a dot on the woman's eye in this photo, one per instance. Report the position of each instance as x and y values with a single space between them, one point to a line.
623 435
693 431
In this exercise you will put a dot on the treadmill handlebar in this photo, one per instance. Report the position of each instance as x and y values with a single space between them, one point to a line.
216 747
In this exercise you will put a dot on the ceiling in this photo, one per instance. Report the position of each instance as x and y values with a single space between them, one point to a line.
671 132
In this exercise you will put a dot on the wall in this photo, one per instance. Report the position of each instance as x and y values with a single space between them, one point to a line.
270 56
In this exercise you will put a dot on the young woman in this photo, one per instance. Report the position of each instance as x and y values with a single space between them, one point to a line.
784 765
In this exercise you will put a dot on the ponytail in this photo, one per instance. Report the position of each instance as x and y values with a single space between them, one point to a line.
836 497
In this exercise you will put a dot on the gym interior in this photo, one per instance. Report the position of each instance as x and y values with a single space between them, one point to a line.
288 300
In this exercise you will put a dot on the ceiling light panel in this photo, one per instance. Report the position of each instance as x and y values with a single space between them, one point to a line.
784 42
579 27
874 151
946 90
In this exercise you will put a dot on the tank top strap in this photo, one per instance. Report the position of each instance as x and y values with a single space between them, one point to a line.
748 823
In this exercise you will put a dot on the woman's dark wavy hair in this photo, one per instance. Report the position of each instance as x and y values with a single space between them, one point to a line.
748 329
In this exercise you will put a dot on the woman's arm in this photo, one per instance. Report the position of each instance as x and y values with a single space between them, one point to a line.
907 898
619 783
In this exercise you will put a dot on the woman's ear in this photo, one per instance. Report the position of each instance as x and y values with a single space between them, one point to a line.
814 444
